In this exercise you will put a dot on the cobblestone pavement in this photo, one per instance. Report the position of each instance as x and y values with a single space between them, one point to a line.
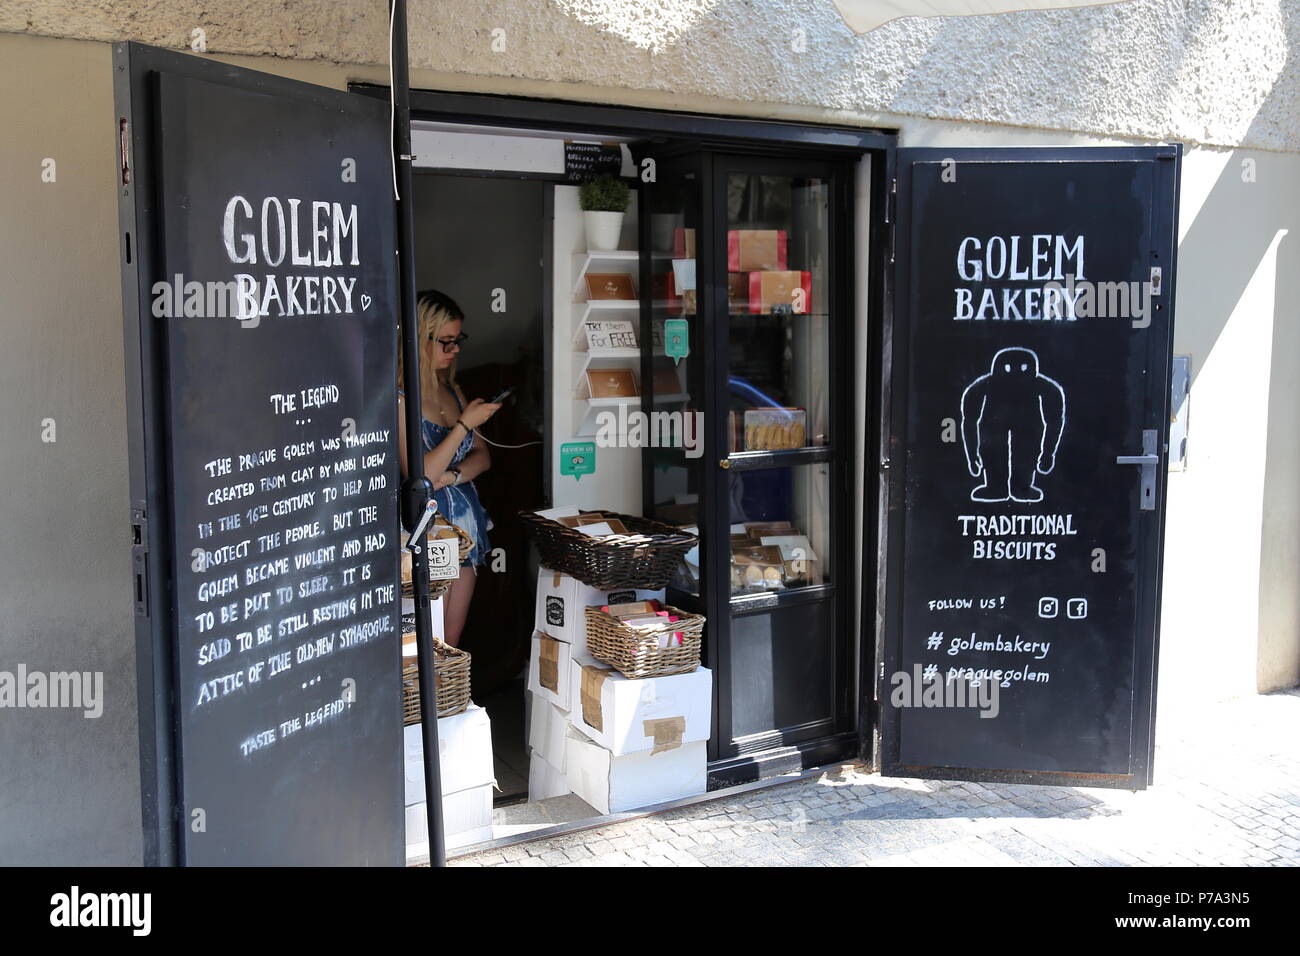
1227 793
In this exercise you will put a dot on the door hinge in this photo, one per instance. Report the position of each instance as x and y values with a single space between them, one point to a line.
140 560
1157 274
891 211
124 150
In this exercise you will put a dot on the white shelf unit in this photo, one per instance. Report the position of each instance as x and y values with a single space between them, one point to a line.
601 358
616 483
583 262
622 308
625 261
587 412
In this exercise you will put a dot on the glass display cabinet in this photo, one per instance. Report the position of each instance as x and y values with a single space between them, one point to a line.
750 325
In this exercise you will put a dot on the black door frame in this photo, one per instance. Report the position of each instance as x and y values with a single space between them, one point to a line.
1168 160
772 139
770 752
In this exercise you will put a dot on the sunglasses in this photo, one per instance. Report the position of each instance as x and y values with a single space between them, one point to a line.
448 344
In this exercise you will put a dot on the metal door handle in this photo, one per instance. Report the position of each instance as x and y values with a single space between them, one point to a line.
1148 462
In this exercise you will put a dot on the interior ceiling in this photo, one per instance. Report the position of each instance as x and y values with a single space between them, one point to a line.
430 126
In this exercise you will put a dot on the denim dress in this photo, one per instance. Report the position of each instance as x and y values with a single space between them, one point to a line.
460 504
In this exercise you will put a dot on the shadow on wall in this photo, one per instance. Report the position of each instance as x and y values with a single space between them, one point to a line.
1245 225
1278 665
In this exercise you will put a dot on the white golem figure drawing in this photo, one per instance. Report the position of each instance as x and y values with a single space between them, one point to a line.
1011 424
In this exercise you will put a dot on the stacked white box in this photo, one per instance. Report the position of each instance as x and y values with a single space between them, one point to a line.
562 602
549 670
466 819
435 617
467 778
651 713
545 781
640 744
612 783
547 726
633 743
464 758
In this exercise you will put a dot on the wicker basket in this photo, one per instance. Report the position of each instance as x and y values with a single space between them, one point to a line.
438 586
450 681
636 653
611 563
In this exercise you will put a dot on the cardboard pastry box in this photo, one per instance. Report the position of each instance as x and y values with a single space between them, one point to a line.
549 671
562 602
468 781
466 819
544 780
408 624
683 243
612 783
547 725
756 249
737 291
770 291
649 714
465 753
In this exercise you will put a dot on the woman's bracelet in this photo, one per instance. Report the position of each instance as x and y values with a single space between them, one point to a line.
468 430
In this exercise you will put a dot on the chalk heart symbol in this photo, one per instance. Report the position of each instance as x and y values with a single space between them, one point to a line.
365 302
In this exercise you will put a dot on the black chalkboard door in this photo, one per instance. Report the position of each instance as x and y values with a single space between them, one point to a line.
1030 367
259 279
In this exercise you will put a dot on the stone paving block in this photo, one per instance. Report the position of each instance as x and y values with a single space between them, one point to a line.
1197 813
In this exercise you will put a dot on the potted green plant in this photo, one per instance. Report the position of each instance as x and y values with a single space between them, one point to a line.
603 201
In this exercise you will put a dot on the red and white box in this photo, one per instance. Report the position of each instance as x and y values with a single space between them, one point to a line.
768 290
749 249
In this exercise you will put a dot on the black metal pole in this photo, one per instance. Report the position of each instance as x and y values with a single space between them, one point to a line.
416 489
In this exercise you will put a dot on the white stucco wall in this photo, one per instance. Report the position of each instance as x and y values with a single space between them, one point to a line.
1198 71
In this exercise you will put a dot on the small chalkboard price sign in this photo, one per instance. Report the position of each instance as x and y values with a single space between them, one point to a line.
275 295
583 161
1021 640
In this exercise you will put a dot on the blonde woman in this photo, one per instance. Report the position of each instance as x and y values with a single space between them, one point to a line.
453 455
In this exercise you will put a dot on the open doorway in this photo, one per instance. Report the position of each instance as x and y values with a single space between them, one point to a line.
481 240
501 229
500 233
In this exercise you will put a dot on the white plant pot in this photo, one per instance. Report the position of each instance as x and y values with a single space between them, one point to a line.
603 229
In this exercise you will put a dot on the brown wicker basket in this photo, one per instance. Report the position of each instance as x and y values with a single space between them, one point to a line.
636 653
438 586
450 680
609 564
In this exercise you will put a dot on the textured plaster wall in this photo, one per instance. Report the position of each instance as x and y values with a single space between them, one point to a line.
1199 71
